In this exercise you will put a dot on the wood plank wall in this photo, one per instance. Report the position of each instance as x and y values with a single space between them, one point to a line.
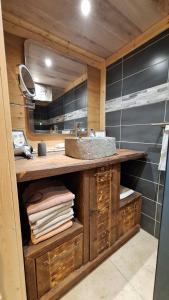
12 284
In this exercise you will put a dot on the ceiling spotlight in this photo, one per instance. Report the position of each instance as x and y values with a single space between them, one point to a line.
48 62
85 7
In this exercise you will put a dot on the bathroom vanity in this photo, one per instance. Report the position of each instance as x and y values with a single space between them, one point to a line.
102 223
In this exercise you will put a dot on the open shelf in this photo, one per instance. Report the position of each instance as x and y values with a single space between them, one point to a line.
34 250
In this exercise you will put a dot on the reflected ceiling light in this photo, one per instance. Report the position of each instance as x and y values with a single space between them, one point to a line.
85 7
48 62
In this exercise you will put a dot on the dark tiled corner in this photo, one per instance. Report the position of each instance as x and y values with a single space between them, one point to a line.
113 118
149 56
148 78
147 224
114 73
147 188
152 113
141 169
157 230
142 133
113 132
161 194
159 211
153 151
148 207
113 90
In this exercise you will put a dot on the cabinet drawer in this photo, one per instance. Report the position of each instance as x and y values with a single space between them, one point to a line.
58 263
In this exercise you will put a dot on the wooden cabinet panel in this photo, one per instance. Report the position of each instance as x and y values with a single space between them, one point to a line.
129 214
57 264
104 204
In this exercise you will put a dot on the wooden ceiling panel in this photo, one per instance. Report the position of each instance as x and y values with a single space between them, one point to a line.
111 24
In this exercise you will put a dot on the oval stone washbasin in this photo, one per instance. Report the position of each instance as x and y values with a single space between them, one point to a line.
90 147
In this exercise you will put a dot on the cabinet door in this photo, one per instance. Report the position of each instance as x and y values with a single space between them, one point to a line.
104 201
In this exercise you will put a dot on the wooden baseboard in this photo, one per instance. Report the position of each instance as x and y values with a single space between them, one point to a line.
79 274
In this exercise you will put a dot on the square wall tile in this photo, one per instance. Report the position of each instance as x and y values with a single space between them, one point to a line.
114 73
152 113
113 118
147 188
155 75
147 224
113 90
148 207
142 134
113 131
153 54
141 169
153 151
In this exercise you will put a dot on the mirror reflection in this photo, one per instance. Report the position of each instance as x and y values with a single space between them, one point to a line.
61 91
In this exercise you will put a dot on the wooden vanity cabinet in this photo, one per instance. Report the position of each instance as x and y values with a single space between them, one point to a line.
104 222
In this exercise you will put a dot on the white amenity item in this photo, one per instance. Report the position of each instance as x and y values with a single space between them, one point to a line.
90 147
125 192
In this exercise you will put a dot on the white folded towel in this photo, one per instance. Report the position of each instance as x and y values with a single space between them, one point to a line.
41 214
125 192
46 220
52 227
164 149
53 222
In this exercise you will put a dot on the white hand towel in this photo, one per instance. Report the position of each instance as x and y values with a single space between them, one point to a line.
51 217
33 218
57 225
125 192
164 149
53 222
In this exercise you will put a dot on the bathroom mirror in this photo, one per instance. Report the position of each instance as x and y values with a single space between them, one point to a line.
61 91
26 82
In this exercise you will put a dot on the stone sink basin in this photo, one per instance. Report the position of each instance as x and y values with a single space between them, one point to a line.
90 147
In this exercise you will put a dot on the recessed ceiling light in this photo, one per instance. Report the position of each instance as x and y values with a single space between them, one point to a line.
48 62
85 7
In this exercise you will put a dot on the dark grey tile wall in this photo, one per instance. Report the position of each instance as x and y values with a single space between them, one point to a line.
142 69
73 100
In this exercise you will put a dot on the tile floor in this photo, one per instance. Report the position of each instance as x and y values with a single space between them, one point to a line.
126 275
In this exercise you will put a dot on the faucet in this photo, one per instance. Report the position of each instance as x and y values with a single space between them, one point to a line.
77 129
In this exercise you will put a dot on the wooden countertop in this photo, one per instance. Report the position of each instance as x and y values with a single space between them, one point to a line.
58 163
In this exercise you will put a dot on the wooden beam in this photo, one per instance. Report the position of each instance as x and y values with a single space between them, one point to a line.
12 282
140 40
19 27
102 97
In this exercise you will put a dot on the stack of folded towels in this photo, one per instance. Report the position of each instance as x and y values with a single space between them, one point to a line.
50 211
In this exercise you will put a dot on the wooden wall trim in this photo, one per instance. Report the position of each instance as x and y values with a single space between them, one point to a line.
19 27
93 96
140 40
102 97
12 281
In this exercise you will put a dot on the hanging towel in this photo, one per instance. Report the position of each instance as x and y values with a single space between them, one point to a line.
36 217
49 197
51 233
163 158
